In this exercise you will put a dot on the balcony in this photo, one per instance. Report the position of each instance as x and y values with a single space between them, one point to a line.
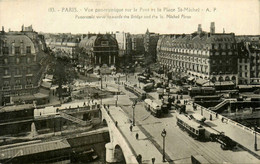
28 86
6 88
29 75
6 76
18 87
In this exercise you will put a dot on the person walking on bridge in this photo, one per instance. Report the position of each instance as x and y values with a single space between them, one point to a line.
131 128
137 136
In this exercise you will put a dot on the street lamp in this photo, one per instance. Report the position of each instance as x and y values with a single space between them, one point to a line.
133 106
255 138
163 134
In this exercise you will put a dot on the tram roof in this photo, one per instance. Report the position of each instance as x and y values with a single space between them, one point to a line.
188 121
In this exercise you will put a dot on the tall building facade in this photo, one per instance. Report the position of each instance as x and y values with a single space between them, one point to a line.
150 44
248 59
23 63
203 55
138 51
65 44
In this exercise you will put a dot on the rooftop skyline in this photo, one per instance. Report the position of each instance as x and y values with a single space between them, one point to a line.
238 16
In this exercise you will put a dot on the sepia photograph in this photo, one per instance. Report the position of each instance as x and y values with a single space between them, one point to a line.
130 82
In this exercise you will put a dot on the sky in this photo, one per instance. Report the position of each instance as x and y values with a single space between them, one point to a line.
239 16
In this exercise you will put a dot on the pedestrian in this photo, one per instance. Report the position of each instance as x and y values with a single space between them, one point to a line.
108 106
131 128
137 136
139 159
216 115
116 123
222 119
153 160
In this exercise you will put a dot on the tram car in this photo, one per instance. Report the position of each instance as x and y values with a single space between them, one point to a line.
192 127
153 107
142 79
148 87
137 91
202 91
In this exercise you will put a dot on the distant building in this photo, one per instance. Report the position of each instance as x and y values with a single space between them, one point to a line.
150 44
138 50
124 46
64 44
23 63
202 55
248 59
101 49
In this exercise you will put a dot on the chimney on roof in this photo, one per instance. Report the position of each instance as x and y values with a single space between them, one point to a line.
3 29
212 27
199 28
223 31
22 27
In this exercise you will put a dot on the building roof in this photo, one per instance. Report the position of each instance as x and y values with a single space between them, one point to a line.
17 40
25 150
87 42
16 108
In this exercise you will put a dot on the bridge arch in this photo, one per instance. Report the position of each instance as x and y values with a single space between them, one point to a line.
117 150
119 155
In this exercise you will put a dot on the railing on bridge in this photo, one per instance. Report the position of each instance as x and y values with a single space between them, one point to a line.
229 120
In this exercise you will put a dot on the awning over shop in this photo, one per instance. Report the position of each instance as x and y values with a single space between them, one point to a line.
50 77
46 84
217 83
40 95
23 98
201 81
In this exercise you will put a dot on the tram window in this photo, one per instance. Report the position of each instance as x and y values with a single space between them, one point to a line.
196 131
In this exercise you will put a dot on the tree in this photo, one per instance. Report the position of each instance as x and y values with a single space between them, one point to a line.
64 72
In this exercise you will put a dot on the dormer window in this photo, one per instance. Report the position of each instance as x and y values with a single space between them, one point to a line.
28 49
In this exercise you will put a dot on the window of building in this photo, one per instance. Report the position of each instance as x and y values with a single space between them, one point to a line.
6 72
17 71
17 60
245 60
6 83
28 49
240 67
17 50
17 82
28 81
104 43
5 61
245 67
213 46
28 60
29 70
5 50
245 74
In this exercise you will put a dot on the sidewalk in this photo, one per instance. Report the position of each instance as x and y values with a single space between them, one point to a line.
142 145
236 133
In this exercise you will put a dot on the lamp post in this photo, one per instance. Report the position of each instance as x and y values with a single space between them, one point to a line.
133 106
163 134
255 137
101 86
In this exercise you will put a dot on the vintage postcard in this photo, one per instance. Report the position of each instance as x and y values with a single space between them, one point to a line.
140 81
